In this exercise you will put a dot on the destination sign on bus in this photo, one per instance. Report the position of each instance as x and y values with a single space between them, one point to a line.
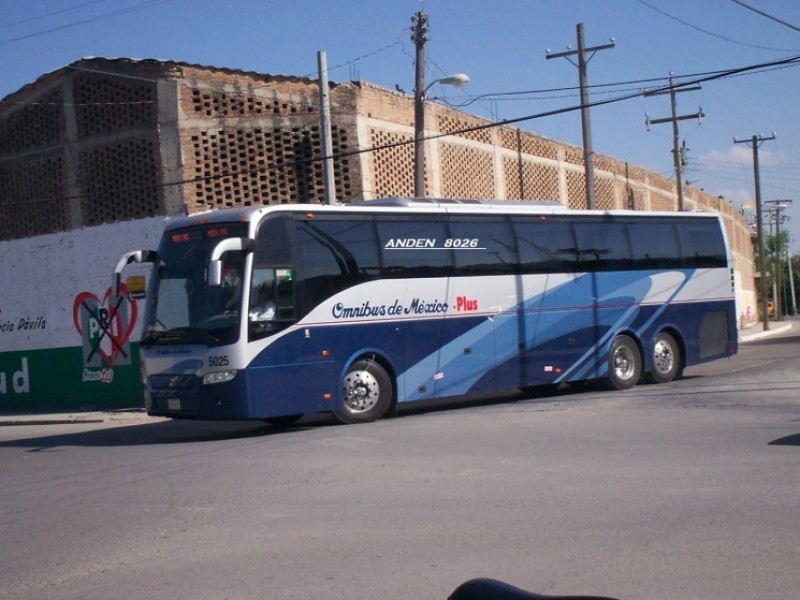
431 243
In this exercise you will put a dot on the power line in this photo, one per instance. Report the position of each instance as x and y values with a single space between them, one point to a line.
51 14
499 96
123 11
356 152
358 58
763 14
707 32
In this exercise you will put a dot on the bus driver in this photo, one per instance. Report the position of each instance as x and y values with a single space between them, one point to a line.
263 309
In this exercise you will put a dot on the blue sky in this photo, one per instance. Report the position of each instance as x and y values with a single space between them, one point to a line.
501 45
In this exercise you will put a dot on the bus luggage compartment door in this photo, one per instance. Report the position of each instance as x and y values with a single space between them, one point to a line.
290 389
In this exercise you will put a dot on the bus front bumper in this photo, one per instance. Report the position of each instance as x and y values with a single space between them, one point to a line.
186 396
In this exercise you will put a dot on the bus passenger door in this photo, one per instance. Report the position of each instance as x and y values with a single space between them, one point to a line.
555 300
417 264
558 324
467 358
481 334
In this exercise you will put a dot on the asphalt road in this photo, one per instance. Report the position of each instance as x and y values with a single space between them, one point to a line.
686 490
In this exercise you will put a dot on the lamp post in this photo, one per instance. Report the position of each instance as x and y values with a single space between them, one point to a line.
456 80
748 210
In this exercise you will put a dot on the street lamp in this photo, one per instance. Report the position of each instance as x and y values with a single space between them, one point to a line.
748 211
456 80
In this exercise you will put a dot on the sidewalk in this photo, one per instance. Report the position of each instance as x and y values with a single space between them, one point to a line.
139 416
756 332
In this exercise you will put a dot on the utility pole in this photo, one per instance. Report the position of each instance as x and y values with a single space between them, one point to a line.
328 181
520 171
792 294
586 124
419 30
776 208
754 142
676 150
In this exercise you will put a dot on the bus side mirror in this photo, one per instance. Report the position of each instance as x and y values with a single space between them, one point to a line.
215 262
137 256
215 273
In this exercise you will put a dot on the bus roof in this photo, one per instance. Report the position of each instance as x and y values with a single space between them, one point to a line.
417 205
445 202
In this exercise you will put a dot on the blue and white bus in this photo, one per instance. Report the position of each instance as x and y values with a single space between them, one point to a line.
381 304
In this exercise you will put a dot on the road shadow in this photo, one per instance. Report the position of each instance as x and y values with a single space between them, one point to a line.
163 432
789 440
198 431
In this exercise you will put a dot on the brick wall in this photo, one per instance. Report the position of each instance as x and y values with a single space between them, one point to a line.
79 147
249 140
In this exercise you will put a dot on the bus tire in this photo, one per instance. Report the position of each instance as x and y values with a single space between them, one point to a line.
666 358
624 364
366 393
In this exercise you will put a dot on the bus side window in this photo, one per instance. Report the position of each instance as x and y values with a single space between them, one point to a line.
483 246
334 254
603 245
263 300
703 245
415 247
284 295
546 246
654 244
273 274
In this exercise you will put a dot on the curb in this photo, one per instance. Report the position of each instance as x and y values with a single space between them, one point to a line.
122 417
743 339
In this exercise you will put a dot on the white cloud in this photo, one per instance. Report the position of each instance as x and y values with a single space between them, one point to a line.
736 195
742 155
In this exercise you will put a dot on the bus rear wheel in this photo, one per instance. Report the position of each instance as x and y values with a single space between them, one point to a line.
667 359
624 364
366 393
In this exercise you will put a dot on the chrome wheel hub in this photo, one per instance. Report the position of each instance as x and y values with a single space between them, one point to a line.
624 363
361 391
663 358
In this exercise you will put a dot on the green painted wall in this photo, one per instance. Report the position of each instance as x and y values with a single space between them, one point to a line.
37 381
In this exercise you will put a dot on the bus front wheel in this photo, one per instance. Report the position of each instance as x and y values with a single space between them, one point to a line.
366 393
624 364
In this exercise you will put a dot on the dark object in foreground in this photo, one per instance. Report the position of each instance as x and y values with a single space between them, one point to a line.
491 589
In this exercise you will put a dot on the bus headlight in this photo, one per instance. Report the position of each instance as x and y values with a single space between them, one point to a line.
218 377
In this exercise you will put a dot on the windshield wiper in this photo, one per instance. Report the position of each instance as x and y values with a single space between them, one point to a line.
150 337
178 335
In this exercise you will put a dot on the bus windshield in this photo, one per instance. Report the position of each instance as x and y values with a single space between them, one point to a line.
181 307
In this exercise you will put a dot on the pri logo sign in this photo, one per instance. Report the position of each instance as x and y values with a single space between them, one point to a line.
106 325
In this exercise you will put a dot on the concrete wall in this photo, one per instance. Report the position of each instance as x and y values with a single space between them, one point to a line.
65 342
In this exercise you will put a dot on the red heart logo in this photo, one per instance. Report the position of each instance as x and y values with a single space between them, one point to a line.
115 331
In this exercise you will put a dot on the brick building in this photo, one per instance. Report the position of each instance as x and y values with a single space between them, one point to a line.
105 140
